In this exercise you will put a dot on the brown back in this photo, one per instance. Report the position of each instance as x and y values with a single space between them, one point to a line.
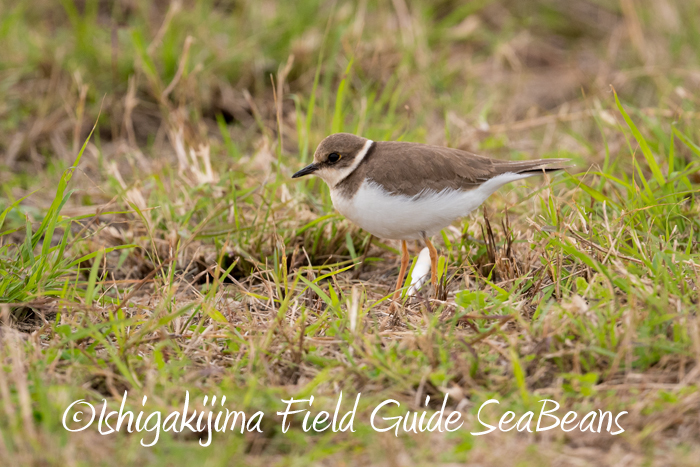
410 168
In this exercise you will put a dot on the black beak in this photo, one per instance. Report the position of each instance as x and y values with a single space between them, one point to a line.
309 169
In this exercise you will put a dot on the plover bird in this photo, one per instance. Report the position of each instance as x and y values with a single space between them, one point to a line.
409 191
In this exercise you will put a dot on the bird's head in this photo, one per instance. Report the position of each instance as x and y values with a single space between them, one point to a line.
337 157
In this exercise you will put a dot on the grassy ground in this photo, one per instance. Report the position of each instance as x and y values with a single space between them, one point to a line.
173 252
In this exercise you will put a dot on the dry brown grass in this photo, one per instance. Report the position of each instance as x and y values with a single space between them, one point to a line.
586 283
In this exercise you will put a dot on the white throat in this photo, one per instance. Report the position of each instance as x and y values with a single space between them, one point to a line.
333 176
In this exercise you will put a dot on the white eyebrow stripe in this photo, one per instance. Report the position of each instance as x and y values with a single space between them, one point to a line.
344 173
360 157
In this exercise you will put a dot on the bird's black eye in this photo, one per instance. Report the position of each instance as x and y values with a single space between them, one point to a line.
333 157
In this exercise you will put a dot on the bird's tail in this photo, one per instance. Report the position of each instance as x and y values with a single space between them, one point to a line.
535 167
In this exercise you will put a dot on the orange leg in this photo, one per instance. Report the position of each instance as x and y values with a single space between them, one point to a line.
433 260
402 273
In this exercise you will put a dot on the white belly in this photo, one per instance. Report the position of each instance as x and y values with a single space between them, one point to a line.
401 217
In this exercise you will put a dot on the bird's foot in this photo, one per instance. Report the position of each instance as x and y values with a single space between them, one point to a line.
394 318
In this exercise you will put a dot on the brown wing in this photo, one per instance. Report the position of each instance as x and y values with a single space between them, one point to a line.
409 168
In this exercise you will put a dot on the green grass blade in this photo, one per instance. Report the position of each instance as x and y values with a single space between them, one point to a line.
651 161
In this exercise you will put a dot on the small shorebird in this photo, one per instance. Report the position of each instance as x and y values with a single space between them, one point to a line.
408 191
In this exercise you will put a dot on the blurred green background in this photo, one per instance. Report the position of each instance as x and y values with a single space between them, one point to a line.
169 250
